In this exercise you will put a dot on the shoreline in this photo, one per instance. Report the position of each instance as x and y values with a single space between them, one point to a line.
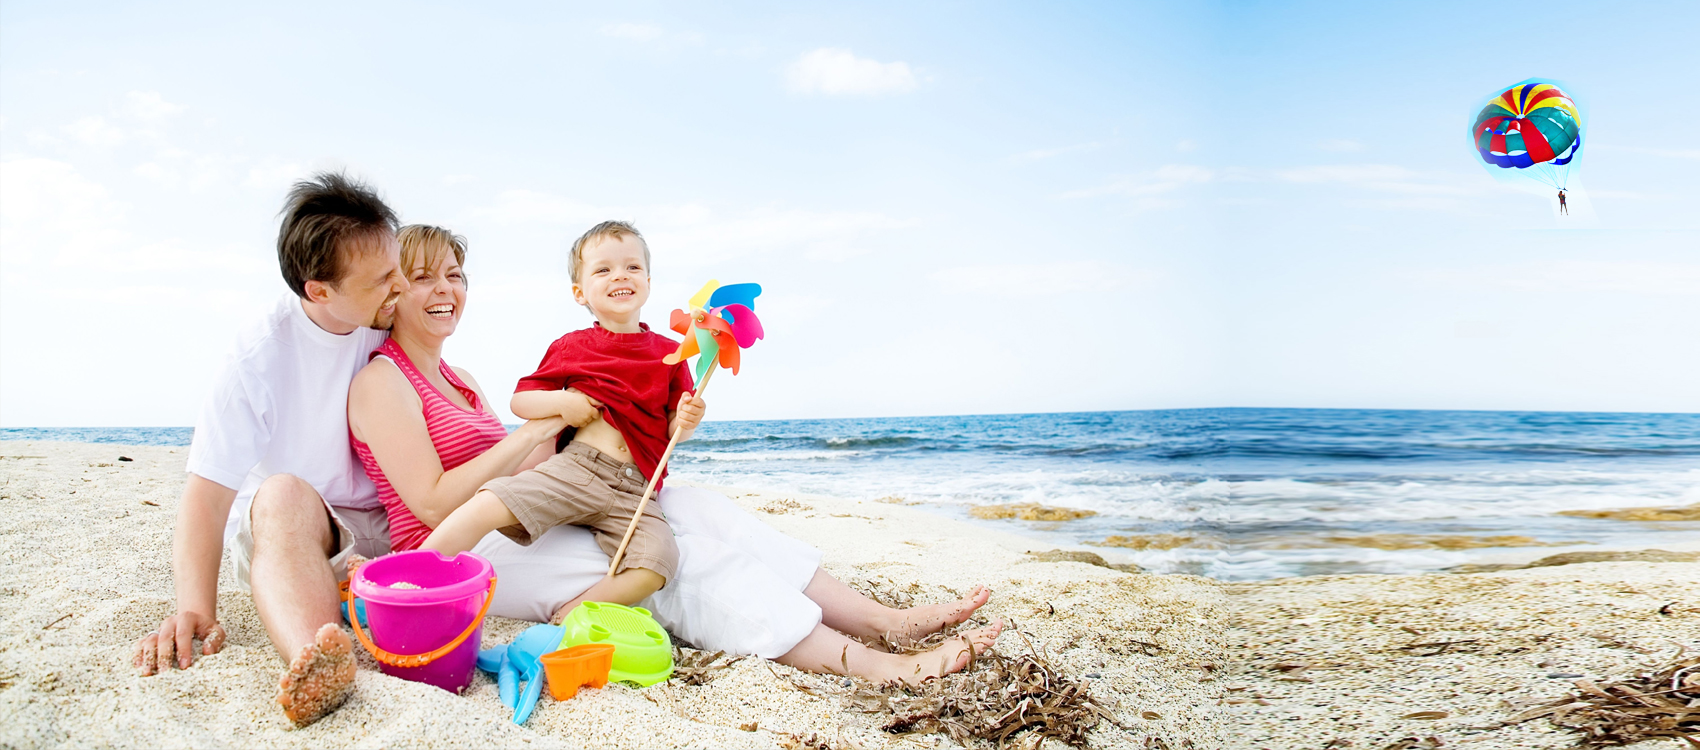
1465 538
1283 663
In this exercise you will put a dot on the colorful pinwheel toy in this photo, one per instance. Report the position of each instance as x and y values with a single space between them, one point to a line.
721 321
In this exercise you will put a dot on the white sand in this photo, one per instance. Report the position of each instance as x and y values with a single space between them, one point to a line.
85 570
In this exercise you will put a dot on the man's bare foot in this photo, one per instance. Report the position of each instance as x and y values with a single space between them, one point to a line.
319 679
954 656
915 623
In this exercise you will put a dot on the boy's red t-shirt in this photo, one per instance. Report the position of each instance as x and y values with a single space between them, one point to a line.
625 372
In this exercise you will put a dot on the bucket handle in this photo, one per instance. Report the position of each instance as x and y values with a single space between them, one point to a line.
414 660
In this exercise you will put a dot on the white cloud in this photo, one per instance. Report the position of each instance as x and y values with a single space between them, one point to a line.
518 207
96 131
1683 153
275 175
711 235
637 32
149 105
651 36
837 71
1186 146
1574 276
1016 279
1164 179
1341 145
49 210
177 168
1046 153
818 235
52 213
1380 177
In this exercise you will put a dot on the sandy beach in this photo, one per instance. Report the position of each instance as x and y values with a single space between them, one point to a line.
1365 661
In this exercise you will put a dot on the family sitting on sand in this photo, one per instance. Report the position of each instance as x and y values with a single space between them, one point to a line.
431 466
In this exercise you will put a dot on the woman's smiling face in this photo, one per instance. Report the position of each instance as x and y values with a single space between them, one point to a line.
435 298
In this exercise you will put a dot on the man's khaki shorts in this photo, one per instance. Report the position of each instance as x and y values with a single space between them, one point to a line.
582 486
363 532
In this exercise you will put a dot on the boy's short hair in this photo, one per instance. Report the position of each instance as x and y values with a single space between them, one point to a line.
323 215
422 245
607 230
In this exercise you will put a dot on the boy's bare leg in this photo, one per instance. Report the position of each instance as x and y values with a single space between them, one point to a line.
846 610
628 587
469 523
295 593
828 651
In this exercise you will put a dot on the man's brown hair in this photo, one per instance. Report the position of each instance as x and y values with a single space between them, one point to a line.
322 217
607 230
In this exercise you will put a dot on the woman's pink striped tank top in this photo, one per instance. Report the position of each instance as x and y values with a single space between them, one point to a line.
459 435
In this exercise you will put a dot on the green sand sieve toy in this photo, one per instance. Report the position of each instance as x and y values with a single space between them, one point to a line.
643 653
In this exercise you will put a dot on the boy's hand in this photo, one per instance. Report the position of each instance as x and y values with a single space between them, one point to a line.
689 415
582 410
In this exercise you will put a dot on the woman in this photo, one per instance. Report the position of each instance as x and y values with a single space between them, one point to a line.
429 438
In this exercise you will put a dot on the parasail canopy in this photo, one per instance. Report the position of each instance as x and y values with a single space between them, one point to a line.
1533 126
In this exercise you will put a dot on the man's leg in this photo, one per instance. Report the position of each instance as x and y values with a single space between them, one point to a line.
295 592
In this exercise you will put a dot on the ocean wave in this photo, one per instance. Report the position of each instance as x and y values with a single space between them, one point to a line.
871 442
729 457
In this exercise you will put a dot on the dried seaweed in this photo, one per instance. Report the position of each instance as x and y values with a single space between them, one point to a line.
1661 703
810 741
1416 743
995 699
693 667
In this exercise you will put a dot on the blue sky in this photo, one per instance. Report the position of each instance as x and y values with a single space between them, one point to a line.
955 208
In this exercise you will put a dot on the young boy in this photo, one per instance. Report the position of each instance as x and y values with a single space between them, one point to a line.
608 381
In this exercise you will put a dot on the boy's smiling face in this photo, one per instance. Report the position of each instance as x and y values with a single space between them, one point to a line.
614 282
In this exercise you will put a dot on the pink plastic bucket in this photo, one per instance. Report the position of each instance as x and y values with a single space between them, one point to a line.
451 596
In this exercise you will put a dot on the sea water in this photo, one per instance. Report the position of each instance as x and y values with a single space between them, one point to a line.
1235 494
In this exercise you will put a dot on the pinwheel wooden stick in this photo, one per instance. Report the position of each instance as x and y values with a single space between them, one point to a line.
726 314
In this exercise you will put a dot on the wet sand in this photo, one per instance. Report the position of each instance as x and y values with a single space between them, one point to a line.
1368 660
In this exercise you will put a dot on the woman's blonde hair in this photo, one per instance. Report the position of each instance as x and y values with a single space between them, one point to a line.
423 245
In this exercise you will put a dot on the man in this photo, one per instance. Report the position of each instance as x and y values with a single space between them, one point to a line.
272 445
1563 208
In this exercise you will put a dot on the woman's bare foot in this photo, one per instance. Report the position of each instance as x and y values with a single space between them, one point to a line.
915 623
954 656
319 679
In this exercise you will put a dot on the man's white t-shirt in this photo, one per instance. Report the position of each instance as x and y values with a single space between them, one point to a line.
281 407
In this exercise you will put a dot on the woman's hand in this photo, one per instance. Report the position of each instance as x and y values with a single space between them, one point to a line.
579 409
539 431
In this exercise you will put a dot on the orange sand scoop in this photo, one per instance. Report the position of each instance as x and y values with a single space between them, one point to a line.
580 666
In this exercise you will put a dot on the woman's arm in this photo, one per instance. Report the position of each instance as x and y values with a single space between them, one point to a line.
384 412
538 455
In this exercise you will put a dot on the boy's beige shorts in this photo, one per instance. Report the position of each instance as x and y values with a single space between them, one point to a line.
582 486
